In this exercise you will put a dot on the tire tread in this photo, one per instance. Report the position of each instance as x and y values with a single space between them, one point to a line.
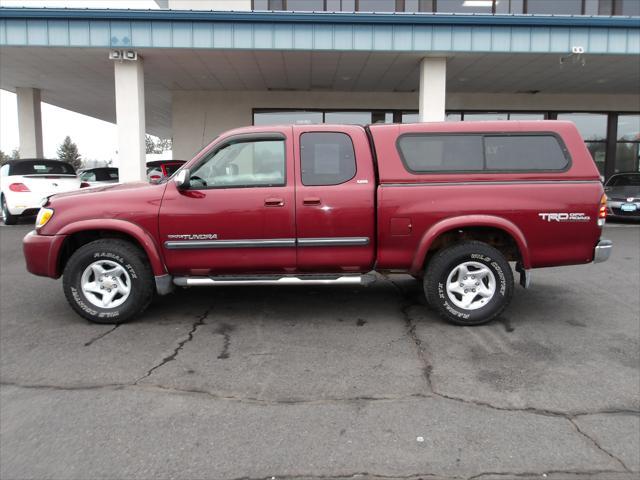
438 263
126 248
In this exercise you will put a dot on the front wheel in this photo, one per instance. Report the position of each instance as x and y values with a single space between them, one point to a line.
469 283
108 281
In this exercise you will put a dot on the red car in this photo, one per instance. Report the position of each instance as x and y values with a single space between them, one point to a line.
157 170
450 203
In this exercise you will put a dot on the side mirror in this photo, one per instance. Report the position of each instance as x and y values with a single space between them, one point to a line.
182 179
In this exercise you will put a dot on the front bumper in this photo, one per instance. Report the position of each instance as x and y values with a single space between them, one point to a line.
614 208
602 252
41 253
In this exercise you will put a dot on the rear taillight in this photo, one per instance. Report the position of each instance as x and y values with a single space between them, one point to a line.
19 187
84 185
602 212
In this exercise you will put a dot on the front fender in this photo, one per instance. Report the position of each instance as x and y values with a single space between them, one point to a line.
453 223
144 238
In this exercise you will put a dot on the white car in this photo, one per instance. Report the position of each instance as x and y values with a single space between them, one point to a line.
24 183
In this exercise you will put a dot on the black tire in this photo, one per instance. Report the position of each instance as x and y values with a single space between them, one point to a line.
7 218
447 261
125 254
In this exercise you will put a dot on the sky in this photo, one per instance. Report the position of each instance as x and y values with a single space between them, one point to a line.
96 139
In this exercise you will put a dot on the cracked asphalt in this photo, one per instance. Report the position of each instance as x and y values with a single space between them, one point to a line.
325 382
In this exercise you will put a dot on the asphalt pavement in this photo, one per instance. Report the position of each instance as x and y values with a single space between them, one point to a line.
325 382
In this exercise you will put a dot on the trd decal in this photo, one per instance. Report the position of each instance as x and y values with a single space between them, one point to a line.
564 217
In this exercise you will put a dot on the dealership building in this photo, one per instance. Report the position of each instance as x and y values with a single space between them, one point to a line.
193 69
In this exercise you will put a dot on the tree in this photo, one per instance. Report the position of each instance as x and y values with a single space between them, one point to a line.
4 158
156 145
150 145
164 144
68 152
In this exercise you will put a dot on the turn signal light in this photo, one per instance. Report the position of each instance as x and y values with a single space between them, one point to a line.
602 212
84 185
44 215
19 187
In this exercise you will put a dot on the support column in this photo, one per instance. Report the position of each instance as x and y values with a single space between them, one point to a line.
433 83
130 119
29 122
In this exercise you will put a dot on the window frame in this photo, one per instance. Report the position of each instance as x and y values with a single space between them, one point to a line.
241 138
355 160
565 152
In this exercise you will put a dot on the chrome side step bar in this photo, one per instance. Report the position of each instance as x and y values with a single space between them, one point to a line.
270 280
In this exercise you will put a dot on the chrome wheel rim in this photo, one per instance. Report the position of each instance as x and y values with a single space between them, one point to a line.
471 285
106 284
4 210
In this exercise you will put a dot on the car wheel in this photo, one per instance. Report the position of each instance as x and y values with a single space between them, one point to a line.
469 283
7 218
108 281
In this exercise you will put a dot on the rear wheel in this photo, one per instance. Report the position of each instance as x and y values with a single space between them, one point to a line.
108 281
470 283
7 218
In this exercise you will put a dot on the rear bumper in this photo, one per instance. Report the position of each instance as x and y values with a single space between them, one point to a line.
602 251
23 203
41 253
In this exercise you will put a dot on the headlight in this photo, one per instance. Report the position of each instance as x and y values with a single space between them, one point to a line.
44 215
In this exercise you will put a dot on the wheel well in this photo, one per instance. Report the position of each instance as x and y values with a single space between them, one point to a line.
76 240
496 237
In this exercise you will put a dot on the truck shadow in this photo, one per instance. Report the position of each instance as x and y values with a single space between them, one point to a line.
382 299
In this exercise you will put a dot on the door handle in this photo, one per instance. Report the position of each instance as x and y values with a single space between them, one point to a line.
274 202
311 201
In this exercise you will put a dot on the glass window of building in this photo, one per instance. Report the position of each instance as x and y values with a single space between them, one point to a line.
591 7
299 117
350 118
418 5
626 7
377 5
412 117
341 5
509 6
526 116
593 128
408 117
305 5
555 7
485 116
465 6
628 144
268 5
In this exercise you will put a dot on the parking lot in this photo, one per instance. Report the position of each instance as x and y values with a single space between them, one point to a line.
325 382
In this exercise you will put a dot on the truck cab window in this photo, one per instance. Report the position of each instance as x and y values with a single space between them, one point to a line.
258 163
327 158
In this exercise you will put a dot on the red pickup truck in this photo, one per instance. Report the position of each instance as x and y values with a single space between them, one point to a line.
449 203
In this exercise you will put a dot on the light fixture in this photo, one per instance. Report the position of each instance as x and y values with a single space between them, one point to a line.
477 3
123 55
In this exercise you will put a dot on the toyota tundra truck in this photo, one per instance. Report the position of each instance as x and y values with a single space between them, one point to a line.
456 205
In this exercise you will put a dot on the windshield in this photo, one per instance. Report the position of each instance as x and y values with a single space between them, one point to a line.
41 167
631 180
